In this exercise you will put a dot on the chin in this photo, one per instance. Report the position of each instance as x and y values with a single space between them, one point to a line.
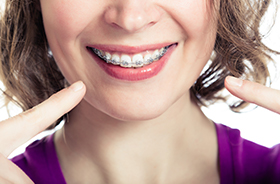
135 113
143 116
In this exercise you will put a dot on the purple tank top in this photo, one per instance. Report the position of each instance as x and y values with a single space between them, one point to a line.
240 161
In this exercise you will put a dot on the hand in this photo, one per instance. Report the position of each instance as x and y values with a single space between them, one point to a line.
19 129
254 93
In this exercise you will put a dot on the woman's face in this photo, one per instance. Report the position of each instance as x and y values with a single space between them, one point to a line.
173 39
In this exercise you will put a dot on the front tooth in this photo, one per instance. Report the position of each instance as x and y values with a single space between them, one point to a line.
137 60
126 61
115 59
156 55
148 59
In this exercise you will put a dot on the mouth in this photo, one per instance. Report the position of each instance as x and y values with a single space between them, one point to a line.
130 60
132 63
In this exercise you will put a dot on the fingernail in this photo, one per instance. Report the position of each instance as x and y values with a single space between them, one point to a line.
234 81
77 86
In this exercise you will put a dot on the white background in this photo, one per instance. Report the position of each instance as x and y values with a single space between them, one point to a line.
258 125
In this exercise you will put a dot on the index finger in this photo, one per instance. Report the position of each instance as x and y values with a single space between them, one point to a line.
19 129
254 93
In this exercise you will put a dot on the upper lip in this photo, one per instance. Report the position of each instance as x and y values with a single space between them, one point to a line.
129 49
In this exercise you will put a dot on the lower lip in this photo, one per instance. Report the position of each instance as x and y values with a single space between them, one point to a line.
131 74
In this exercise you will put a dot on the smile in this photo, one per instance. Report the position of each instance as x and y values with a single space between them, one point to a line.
128 63
131 60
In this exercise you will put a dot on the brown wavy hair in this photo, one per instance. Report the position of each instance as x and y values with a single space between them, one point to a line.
31 75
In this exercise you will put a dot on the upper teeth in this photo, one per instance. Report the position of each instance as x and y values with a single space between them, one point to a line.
136 60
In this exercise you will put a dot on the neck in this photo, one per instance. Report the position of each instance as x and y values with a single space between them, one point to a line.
143 151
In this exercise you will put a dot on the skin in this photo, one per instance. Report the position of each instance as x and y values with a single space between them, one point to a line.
171 140
130 23
116 115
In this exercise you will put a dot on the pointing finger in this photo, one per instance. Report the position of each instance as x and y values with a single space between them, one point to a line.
254 93
19 129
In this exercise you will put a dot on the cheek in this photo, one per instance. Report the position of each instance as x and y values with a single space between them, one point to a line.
194 16
64 22
64 18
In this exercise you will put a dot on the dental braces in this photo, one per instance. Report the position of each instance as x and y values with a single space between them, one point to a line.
116 60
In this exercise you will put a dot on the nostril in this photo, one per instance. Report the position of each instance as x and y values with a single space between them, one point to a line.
116 25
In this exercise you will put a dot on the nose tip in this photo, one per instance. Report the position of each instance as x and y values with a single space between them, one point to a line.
131 18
